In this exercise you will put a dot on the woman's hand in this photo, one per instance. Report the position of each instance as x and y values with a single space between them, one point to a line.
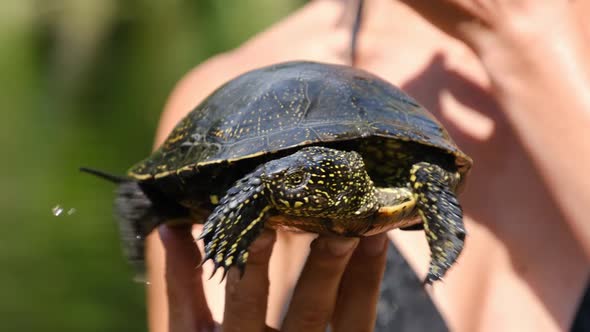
511 37
339 285
473 21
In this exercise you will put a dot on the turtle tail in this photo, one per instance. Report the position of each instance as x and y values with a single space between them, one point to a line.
136 216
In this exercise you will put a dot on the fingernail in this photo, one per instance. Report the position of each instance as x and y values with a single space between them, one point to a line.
340 246
374 245
262 242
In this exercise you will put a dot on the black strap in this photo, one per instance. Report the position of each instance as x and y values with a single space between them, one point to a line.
582 320
356 27
404 305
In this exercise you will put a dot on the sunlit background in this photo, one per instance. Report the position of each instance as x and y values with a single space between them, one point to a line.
83 82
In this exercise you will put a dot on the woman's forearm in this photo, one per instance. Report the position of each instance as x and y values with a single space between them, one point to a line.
542 82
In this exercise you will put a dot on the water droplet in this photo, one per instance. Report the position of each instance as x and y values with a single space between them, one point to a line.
138 237
148 283
71 211
57 210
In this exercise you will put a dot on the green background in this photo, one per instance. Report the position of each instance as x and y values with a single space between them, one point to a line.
82 83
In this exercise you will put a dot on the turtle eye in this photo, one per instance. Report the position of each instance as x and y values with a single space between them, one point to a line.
297 178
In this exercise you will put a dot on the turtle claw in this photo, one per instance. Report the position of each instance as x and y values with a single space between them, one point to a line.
213 272
431 278
223 275
225 268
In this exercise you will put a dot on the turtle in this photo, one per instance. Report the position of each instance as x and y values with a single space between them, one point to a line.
308 146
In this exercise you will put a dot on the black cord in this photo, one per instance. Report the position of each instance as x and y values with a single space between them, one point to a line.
356 27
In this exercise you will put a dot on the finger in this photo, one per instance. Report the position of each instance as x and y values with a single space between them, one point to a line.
187 306
314 296
447 15
359 287
246 298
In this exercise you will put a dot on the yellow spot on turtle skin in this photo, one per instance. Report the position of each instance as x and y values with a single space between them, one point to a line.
286 203
174 139
297 204
413 177
214 199
229 260
219 258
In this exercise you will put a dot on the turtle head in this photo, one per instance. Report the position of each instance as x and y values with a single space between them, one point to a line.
320 182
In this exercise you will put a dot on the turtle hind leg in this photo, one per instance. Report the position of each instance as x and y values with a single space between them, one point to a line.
235 223
441 215
138 215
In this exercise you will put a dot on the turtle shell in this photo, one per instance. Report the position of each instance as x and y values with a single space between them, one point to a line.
289 105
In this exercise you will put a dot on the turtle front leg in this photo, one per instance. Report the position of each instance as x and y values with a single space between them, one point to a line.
441 215
235 223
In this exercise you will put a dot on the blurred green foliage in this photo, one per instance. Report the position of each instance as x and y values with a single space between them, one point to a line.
83 83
